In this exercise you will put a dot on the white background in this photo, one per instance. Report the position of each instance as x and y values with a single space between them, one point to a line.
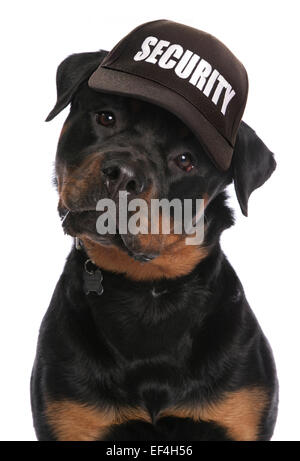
264 248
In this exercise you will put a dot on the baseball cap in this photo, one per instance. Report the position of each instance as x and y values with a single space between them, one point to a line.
187 72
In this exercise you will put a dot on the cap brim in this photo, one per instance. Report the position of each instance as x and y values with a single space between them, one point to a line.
124 84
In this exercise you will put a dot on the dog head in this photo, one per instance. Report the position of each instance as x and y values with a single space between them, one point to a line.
111 144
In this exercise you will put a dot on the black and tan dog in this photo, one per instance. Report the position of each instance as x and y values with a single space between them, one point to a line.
171 349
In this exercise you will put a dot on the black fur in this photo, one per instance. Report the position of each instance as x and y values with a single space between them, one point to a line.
196 341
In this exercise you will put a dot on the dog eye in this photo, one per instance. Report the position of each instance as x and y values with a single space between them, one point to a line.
105 118
185 162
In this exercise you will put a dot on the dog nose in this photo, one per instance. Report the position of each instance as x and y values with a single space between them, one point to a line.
123 177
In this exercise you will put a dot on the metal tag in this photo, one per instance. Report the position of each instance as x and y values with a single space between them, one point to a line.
92 280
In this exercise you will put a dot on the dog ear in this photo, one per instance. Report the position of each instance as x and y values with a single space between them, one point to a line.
74 70
252 163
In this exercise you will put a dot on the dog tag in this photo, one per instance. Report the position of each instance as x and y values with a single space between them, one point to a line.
92 280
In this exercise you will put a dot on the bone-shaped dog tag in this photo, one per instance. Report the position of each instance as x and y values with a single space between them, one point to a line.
92 280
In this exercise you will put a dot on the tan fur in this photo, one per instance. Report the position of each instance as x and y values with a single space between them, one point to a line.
65 127
75 182
72 421
238 412
175 260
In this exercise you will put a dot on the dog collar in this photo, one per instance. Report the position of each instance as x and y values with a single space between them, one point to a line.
93 277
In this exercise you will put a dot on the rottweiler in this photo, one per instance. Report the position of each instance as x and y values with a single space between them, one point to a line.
147 338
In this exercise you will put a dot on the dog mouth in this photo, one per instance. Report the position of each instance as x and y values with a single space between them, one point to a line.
83 223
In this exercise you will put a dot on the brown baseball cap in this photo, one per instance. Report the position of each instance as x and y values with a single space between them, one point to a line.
186 71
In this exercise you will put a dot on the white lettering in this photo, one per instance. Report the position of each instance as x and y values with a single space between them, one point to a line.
165 62
146 50
202 71
229 93
186 64
211 81
157 51
221 85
